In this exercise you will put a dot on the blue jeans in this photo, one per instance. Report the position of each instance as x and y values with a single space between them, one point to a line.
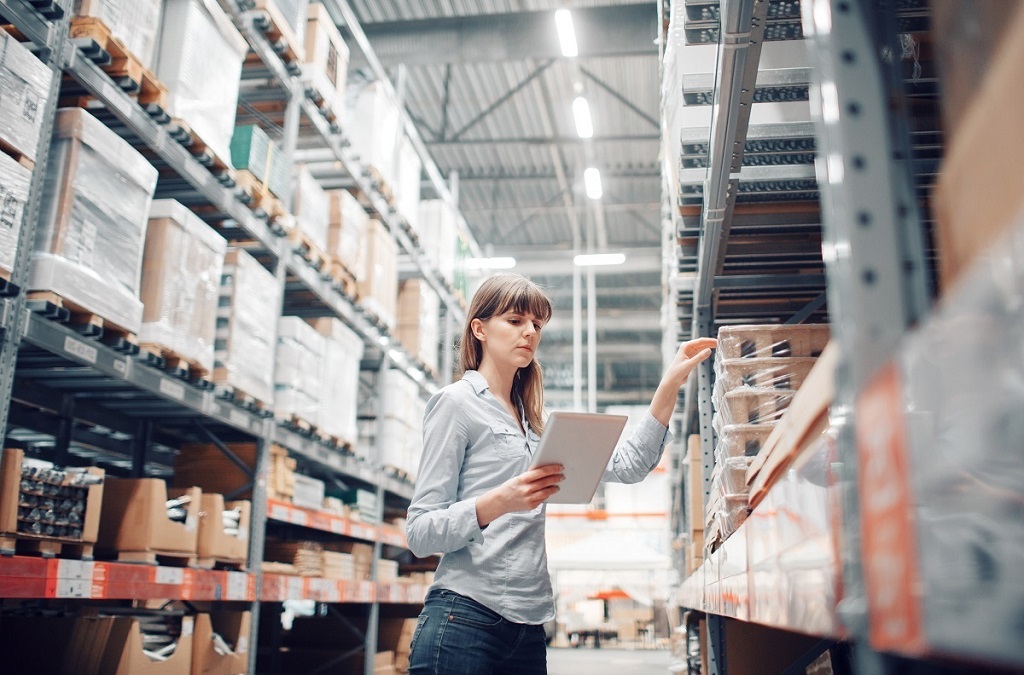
458 636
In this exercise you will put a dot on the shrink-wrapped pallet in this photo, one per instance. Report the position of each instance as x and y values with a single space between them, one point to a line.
252 150
761 341
408 176
438 231
401 441
378 290
250 302
92 225
24 85
326 65
181 271
343 350
348 224
14 182
136 23
311 208
298 370
199 60
373 128
418 327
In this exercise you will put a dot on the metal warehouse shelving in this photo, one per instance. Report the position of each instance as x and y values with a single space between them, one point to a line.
100 401
806 561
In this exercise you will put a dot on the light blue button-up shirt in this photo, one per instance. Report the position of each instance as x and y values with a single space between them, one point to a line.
471 445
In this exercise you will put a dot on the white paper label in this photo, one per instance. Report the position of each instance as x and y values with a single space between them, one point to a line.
74 588
80 349
186 625
120 365
338 526
238 584
190 523
243 645
299 517
75 569
296 590
175 390
173 576
280 512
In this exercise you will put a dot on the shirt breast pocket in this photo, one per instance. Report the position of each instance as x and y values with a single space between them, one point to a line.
508 442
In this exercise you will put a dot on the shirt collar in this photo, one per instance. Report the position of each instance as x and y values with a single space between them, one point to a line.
477 380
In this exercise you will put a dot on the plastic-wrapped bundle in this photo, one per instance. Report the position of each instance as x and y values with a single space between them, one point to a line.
400 406
379 287
374 128
418 327
408 182
14 180
92 227
752 406
326 66
348 224
729 514
760 341
767 373
181 271
199 60
293 14
741 440
731 475
339 396
24 85
133 22
253 151
672 93
439 235
250 302
298 369
311 207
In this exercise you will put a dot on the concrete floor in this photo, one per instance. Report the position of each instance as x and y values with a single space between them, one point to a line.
605 661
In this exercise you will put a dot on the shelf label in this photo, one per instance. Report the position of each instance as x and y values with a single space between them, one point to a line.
237 586
80 349
75 569
338 526
173 576
73 588
121 366
298 517
280 512
296 588
239 418
175 390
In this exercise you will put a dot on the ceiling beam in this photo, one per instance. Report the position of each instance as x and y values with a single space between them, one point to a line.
623 30
544 140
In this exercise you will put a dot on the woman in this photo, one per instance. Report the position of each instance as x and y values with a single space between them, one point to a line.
478 505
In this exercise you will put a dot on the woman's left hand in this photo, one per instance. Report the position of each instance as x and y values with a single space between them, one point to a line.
688 357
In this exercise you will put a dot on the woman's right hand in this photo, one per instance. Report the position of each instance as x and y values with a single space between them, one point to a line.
523 493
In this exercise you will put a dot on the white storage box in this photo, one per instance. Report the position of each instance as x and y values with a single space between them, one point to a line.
298 370
311 207
309 492
339 395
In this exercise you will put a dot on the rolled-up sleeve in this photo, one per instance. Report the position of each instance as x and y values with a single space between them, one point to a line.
637 456
437 521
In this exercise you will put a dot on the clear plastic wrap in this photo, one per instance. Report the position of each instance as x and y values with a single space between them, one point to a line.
250 302
24 85
766 373
293 14
347 229
407 185
253 151
741 440
373 127
181 270
672 94
730 474
199 60
401 441
133 22
379 287
326 66
92 227
752 406
14 182
339 397
729 513
439 235
311 207
761 341
298 369
418 327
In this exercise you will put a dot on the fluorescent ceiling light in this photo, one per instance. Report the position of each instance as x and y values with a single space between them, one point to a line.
566 34
581 113
490 263
594 259
592 180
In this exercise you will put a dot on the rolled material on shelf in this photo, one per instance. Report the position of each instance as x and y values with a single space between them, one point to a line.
136 23
24 86
14 182
181 271
92 227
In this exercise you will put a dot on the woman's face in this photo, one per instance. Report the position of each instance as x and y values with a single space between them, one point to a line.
510 338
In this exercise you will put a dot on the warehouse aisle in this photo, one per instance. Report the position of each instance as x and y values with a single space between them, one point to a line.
566 661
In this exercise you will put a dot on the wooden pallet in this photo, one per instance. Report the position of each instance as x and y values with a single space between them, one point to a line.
151 557
84 320
46 547
308 250
400 474
219 564
268 18
182 132
346 279
123 66
17 155
314 94
381 185
240 397
260 198
298 424
335 442
180 366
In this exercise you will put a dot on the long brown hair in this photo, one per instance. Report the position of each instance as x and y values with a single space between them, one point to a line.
497 295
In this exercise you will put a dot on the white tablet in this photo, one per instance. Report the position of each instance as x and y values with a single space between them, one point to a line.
582 443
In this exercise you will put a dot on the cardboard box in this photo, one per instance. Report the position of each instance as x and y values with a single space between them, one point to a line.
362 556
181 271
24 88
233 627
346 232
123 653
694 485
378 290
206 466
213 543
419 328
134 518
326 66
978 193
10 485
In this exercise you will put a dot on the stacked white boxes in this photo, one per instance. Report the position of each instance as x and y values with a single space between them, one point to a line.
311 207
378 289
136 23
92 226
339 394
250 303
199 60
346 231
181 271
14 181
326 66
401 440
419 321
24 85
439 235
298 370
408 183
374 128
